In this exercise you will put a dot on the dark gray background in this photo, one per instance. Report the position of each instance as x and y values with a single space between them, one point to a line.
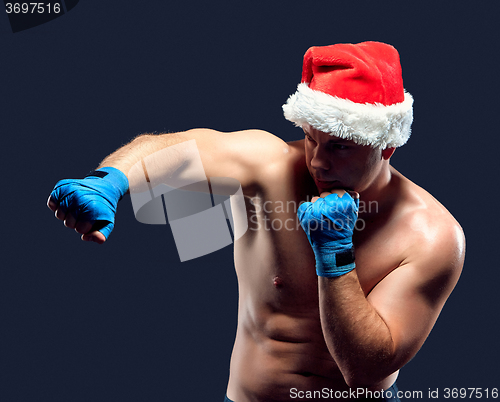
127 321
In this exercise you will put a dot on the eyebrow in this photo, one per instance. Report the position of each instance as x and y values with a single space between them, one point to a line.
338 140
333 140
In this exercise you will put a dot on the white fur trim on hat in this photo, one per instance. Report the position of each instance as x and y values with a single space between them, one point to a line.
375 124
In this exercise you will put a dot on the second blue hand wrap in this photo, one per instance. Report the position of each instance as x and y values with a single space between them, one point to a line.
329 225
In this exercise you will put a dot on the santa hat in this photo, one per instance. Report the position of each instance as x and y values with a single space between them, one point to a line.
353 91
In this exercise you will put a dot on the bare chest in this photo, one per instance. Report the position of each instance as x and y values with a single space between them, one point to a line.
274 257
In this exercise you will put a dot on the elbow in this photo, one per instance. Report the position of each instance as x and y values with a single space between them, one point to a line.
364 381
143 137
366 375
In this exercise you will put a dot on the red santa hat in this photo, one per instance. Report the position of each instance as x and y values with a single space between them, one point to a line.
354 91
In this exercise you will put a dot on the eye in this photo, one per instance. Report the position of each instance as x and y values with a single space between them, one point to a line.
338 147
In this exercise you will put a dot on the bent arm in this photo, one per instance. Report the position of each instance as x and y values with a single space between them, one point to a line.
372 337
356 335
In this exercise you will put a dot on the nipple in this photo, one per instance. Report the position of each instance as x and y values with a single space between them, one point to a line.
277 282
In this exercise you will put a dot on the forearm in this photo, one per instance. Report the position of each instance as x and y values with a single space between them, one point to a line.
142 146
357 337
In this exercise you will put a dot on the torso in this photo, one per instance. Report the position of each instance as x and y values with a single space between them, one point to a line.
279 344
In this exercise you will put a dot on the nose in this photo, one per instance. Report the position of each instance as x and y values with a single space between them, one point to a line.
320 160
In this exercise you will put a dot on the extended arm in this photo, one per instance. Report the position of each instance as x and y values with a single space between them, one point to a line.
222 154
235 155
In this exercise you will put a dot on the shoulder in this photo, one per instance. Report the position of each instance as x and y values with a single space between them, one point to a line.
436 246
254 137
430 246
248 146
246 155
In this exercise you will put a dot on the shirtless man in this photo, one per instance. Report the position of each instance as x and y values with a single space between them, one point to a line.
316 321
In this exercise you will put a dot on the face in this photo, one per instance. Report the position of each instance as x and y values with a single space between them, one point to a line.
338 163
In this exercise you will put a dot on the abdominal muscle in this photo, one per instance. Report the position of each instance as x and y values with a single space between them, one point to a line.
275 359
275 352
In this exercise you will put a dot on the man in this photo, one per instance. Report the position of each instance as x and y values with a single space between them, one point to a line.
335 306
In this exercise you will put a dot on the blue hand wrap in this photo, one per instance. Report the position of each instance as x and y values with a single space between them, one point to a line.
94 198
329 225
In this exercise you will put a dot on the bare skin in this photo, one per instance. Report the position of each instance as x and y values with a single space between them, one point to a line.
298 331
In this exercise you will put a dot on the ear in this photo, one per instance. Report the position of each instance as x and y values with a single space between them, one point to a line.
387 153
